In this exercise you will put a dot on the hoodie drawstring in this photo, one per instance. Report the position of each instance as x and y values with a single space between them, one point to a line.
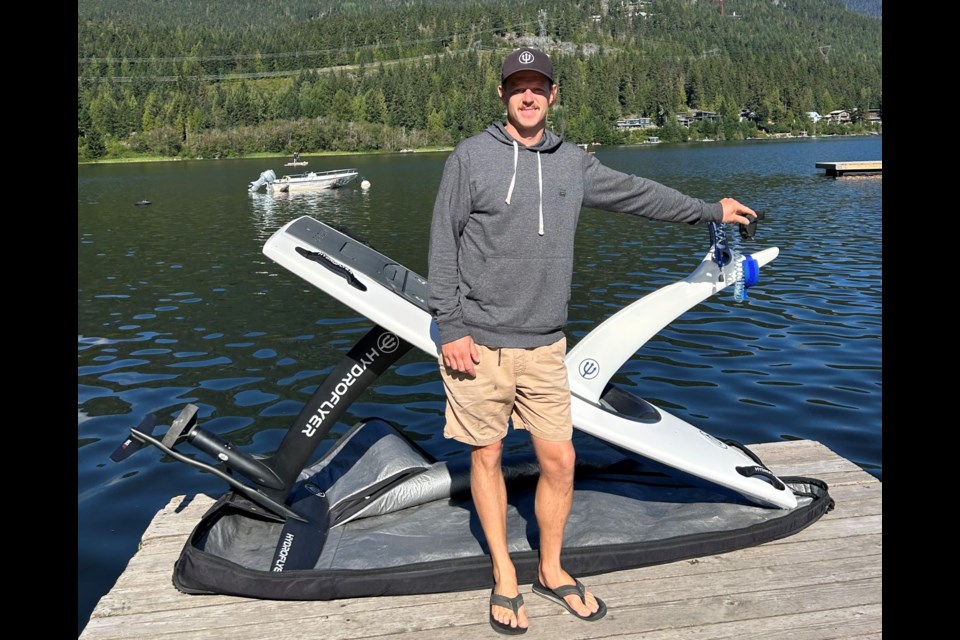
513 181
540 180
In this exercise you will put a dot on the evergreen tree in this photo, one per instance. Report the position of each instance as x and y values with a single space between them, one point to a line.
202 76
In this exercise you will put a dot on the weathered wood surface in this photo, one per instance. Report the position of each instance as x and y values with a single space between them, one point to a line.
823 582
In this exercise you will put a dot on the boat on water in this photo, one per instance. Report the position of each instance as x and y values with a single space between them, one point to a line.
297 164
586 147
310 181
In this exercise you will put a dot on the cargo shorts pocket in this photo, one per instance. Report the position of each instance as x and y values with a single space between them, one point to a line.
478 407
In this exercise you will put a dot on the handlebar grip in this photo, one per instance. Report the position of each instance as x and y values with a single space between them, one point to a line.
748 231
341 271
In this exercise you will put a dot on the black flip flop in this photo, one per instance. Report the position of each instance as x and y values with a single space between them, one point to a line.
509 603
557 595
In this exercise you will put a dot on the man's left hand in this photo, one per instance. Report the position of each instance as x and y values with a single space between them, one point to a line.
734 212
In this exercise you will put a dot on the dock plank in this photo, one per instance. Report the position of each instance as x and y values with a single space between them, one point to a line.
823 582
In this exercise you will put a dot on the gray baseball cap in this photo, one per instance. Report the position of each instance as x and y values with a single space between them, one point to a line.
526 59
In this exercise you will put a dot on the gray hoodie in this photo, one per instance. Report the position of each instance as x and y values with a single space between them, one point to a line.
504 221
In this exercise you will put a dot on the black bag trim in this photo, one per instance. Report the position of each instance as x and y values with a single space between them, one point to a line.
198 572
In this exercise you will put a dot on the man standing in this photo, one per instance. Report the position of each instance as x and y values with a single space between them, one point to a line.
500 268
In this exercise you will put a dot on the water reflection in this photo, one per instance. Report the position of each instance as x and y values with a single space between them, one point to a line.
338 206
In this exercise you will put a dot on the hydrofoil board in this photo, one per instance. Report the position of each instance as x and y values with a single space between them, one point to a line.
395 298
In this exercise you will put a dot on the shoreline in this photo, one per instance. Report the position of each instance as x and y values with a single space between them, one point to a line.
320 154
269 156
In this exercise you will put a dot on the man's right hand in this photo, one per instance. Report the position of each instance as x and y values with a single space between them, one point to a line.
460 355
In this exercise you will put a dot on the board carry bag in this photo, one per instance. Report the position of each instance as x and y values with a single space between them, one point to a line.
381 516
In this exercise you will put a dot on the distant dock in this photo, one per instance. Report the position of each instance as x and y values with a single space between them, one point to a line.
860 168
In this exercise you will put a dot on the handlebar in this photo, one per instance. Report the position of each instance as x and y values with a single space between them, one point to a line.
744 267
747 231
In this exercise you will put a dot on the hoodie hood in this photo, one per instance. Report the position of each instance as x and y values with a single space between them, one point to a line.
549 142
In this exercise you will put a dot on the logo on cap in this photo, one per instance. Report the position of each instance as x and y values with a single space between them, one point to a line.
526 60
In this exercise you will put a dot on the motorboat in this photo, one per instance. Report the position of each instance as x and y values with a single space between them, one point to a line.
310 181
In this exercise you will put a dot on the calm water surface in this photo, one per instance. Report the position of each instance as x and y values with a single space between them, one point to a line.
177 304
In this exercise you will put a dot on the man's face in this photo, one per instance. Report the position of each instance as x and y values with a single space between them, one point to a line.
527 94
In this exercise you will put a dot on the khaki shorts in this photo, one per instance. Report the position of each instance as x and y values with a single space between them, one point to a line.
528 385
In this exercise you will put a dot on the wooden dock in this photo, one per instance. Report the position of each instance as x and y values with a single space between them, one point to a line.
861 167
826 581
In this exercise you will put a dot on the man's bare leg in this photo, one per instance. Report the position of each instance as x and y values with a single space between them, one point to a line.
553 502
490 498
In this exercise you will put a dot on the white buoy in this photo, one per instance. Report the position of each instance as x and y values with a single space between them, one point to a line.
365 185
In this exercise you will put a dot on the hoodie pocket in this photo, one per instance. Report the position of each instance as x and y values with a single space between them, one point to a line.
527 294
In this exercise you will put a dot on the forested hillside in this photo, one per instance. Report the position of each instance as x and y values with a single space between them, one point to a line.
218 78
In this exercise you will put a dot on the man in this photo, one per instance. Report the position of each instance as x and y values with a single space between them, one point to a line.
500 268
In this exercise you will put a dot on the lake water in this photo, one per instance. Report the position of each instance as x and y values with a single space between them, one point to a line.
177 304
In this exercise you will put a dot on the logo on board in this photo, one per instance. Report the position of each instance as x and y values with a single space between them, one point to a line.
388 342
589 369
